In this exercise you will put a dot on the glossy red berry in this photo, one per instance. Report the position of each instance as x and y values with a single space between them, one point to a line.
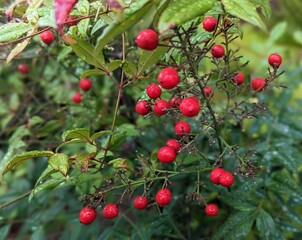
163 197
153 91
182 128
173 143
239 78
275 60
77 97
258 83
47 37
208 91
211 209
168 78
161 106
140 202
110 211
166 154
23 68
189 106
142 107
87 215
209 24
147 39
85 84
217 51
175 102
226 179
215 175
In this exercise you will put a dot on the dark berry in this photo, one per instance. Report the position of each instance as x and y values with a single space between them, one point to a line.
168 78
147 39
175 102
71 21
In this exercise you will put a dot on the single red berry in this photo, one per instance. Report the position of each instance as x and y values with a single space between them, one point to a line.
275 60
182 128
153 91
215 174
23 68
166 154
226 179
161 106
142 107
147 39
217 51
258 83
77 97
47 37
140 202
209 24
208 91
71 21
175 102
85 84
110 211
189 106
211 209
163 197
168 78
239 78
173 143
87 215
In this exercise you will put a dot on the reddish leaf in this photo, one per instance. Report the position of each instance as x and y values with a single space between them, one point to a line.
62 10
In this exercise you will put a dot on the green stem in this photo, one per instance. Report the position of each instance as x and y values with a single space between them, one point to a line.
4 205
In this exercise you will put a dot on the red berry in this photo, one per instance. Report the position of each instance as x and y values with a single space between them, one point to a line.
87 215
163 197
147 39
23 68
215 174
153 91
175 102
211 209
110 211
85 84
238 79
258 83
77 97
226 179
209 24
47 37
173 143
71 21
140 202
275 60
166 154
182 128
142 107
217 51
168 78
161 106
189 106
208 91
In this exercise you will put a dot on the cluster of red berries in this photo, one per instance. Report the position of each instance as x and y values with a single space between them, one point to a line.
88 214
85 84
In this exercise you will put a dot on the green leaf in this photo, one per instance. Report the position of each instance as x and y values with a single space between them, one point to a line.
85 51
117 139
78 133
244 10
12 31
72 141
130 68
47 172
105 19
239 200
60 162
4 232
162 8
265 225
149 58
99 134
17 160
114 65
83 160
237 226
131 15
264 5
92 72
298 36
182 11
277 32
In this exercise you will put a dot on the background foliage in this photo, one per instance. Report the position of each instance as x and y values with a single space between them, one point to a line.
36 109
